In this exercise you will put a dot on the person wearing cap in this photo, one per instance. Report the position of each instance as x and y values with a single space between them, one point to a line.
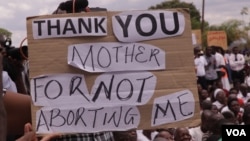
200 63
220 98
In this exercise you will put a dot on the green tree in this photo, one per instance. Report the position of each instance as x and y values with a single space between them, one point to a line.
194 13
5 32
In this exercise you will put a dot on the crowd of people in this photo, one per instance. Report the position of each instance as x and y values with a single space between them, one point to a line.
223 88
223 84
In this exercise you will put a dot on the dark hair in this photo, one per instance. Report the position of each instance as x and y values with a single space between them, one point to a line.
79 6
228 114
246 114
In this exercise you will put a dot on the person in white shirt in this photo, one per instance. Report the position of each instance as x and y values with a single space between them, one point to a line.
200 63
210 69
244 94
220 60
8 84
237 64
220 98
227 56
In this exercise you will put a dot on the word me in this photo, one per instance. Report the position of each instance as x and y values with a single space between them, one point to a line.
172 108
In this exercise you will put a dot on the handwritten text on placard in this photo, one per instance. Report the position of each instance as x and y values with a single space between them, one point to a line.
114 56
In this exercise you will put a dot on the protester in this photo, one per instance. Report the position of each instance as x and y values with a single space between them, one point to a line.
200 64
182 134
220 98
197 132
246 115
210 68
166 134
8 84
245 95
212 120
227 56
237 64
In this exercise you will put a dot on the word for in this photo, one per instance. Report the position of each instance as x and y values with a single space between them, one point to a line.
172 108
145 25
69 27
236 132
107 57
86 120
61 89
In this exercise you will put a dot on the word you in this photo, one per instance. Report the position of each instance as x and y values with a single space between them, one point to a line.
115 56
69 27
109 89
73 119
172 108
147 25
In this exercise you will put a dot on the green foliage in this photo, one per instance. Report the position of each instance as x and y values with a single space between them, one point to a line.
5 32
194 13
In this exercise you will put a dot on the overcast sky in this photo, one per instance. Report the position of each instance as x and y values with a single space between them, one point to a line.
13 13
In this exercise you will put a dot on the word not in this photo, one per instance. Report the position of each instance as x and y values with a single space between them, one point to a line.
145 25
107 57
236 132
109 89
172 108
69 27
81 119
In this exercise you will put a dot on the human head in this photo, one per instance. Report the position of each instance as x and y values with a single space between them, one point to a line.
182 134
244 89
209 51
166 134
233 91
246 114
79 6
220 95
197 50
129 135
213 120
205 118
229 115
159 139
214 109
234 105
216 129
206 105
235 50
204 94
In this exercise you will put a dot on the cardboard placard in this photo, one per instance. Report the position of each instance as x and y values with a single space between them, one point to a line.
217 38
198 36
106 71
